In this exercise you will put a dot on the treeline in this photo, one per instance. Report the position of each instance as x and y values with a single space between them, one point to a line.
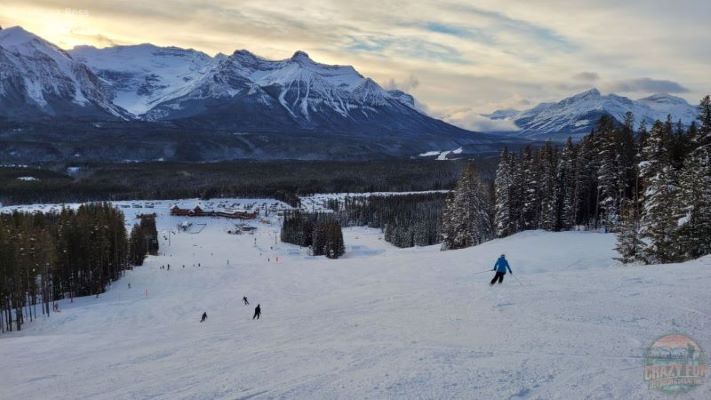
283 180
670 221
468 213
143 240
318 231
559 189
45 257
650 186
406 220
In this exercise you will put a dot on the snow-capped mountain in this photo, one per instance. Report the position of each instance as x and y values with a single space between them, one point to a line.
39 79
576 115
150 102
665 104
240 91
248 92
143 75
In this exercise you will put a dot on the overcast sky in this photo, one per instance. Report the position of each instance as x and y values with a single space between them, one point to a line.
458 58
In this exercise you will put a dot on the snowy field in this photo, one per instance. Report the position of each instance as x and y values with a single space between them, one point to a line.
319 201
380 323
310 203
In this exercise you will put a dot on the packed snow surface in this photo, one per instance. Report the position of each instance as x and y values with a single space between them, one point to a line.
379 323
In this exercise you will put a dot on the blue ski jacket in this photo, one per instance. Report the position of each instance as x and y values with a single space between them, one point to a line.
502 265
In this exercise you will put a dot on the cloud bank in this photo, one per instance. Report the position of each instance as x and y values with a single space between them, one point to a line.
647 85
470 119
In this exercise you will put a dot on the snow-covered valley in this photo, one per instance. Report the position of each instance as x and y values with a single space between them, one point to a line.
381 322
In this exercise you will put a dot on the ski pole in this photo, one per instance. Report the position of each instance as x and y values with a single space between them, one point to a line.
517 280
477 273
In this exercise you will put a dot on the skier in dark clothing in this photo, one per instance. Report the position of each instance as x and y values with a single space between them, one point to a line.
500 267
257 312
204 317
246 302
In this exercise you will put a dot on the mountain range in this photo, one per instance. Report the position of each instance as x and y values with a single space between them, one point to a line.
575 116
38 78
145 102
168 102
245 91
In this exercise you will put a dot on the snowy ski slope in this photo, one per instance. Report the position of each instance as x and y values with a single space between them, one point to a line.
380 323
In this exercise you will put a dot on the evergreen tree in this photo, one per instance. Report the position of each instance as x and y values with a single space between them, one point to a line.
585 202
548 212
565 192
516 194
504 223
657 222
629 244
407 220
681 146
335 246
704 120
137 246
530 190
693 199
627 165
319 231
615 174
150 233
50 256
466 220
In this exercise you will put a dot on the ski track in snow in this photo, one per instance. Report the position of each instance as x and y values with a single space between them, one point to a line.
379 323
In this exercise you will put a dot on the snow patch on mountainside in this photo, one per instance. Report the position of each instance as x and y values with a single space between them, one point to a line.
144 74
441 155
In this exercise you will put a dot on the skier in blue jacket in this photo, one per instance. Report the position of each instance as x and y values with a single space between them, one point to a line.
500 267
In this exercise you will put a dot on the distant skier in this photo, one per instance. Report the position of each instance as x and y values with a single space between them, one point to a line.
245 301
257 312
500 267
204 317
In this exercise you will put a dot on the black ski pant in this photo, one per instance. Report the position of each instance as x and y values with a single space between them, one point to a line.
498 277
256 315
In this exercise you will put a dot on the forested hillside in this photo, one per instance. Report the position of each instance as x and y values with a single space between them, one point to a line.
652 186
58 255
